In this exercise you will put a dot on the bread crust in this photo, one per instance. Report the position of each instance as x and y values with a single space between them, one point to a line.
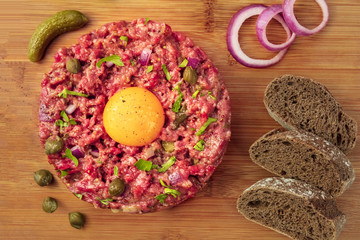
314 202
312 159
297 102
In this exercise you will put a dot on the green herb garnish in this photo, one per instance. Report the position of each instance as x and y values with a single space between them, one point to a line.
183 63
206 124
146 20
116 170
63 173
210 94
195 94
113 58
141 164
105 201
132 62
200 145
69 154
168 164
78 195
66 121
149 68
173 192
167 74
177 104
124 38
66 92
161 197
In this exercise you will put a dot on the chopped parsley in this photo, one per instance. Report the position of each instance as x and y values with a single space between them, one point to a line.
168 164
63 173
183 63
78 195
66 92
66 122
132 62
116 170
105 201
206 124
195 94
167 191
69 154
113 58
167 74
210 94
200 145
146 20
177 104
149 68
125 39
141 164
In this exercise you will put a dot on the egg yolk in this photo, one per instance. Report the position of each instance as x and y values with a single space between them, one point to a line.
133 116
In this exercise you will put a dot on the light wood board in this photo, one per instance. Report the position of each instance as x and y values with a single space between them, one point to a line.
331 57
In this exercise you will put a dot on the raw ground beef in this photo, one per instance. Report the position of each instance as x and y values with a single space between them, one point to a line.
90 179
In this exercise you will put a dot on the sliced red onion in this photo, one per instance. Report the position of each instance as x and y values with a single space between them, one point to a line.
295 26
145 56
109 64
233 39
70 109
193 62
263 21
43 114
175 178
95 152
76 151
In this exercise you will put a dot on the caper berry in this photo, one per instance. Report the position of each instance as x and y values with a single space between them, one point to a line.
43 177
116 187
49 205
73 65
76 219
53 145
190 75
168 146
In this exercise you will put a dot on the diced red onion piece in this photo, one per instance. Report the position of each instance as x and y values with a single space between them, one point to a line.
193 62
175 178
43 114
76 151
149 152
295 26
70 109
95 152
109 64
263 21
145 56
233 39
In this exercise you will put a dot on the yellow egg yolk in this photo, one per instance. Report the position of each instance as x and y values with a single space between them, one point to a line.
133 116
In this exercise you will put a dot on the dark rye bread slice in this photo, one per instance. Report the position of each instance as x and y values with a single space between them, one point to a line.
292 207
304 156
301 103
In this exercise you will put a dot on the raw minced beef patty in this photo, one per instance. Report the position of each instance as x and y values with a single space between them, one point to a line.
99 154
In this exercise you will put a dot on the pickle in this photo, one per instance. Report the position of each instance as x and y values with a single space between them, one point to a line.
57 24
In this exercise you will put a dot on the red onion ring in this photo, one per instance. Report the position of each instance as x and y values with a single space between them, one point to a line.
295 26
263 21
233 39
76 151
145 56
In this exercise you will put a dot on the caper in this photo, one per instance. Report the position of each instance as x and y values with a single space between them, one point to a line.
43 177
190 75
73 65
49 205
53 145
168 146
116 187
76 219
179 118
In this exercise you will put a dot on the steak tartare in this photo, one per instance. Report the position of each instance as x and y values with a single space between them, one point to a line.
190 145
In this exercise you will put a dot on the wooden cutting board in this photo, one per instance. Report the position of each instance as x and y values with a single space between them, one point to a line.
331 57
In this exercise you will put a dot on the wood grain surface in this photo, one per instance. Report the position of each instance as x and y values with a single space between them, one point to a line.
331 57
